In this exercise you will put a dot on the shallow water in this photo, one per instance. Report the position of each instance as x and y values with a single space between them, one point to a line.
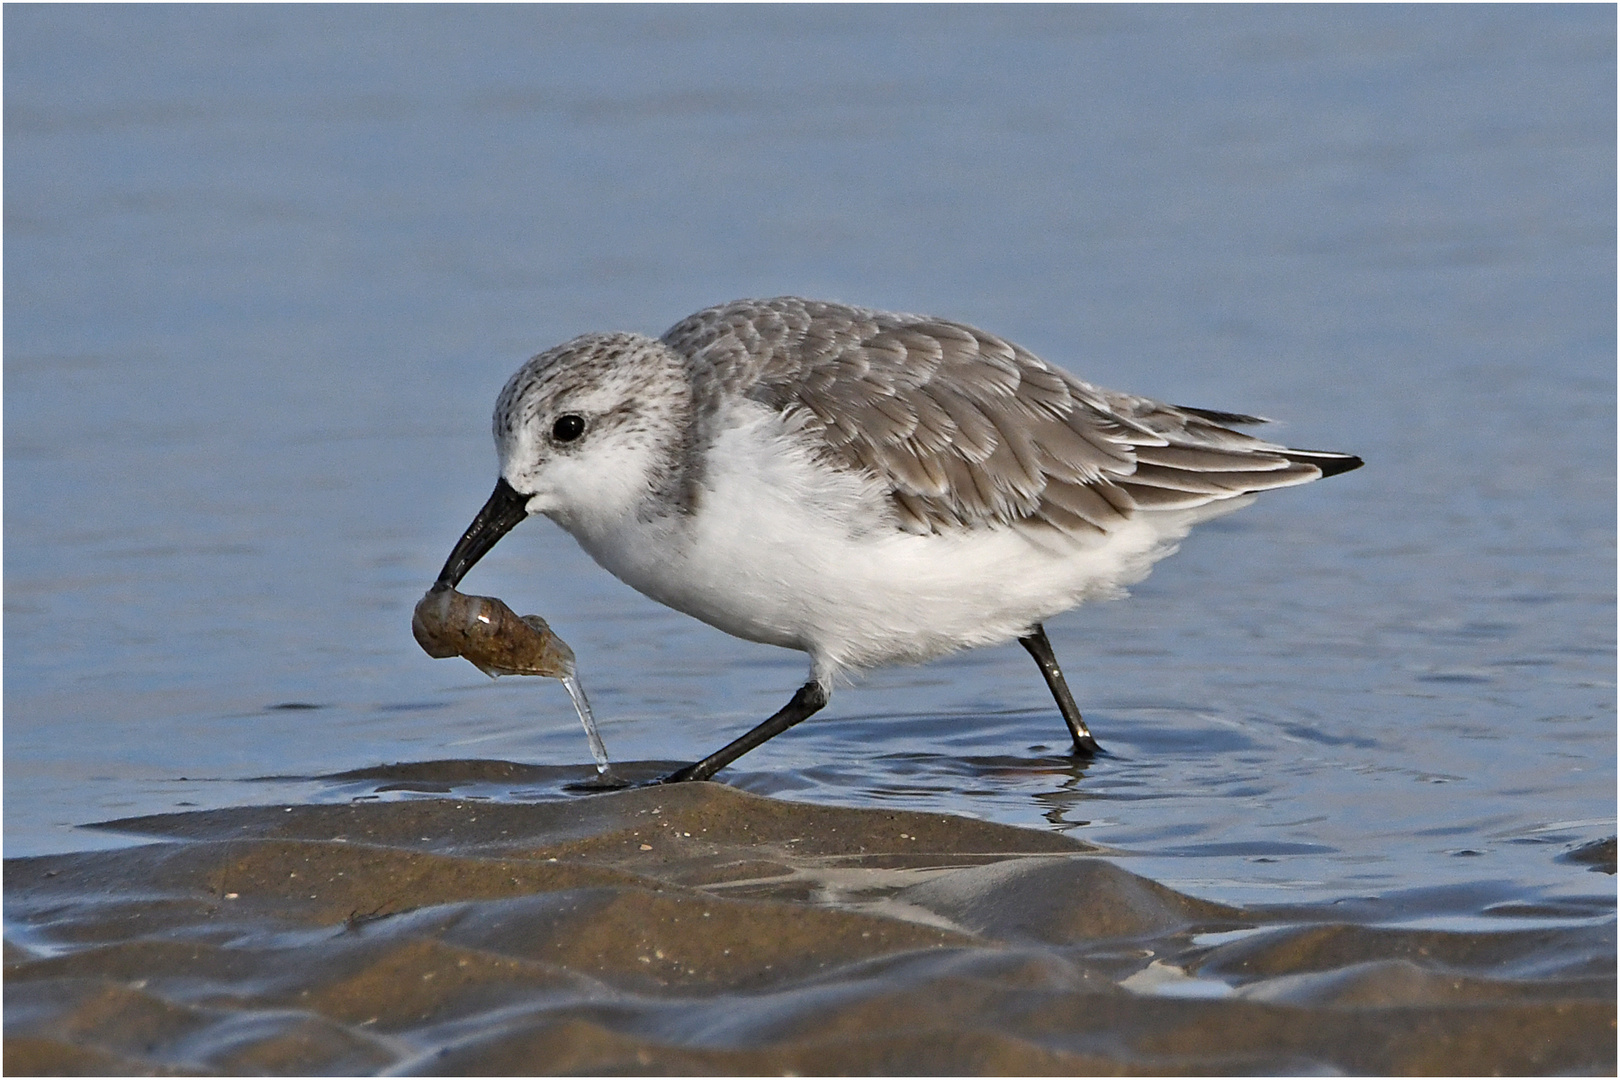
267 269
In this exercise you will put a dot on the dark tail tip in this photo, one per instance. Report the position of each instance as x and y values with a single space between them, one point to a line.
1348 463
1331 464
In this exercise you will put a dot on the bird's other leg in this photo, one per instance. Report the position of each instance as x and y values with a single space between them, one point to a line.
810 698
1041 649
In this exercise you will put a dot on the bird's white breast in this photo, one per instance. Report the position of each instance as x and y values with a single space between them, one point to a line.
786 550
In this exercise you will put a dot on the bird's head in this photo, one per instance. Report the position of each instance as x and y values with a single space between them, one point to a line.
586 433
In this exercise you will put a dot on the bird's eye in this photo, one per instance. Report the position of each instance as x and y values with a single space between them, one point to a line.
569 426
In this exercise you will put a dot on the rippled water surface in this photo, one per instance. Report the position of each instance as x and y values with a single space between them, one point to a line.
266 269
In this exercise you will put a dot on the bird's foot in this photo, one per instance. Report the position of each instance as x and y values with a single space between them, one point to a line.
1087 748
689 772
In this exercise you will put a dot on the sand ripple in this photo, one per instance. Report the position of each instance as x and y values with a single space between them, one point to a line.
697 928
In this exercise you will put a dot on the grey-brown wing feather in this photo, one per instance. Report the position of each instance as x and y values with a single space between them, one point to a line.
968 429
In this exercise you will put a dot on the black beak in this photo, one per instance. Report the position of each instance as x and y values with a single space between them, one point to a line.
504 510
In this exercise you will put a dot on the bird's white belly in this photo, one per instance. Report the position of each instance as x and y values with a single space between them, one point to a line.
786 551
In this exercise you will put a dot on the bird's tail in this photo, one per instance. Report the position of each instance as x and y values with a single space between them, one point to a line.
1330 463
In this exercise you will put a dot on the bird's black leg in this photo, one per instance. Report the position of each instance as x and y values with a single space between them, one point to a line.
1041 649
811 697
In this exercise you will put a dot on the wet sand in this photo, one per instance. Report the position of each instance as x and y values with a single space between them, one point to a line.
700 929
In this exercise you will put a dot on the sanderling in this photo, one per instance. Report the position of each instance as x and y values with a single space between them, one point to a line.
868 487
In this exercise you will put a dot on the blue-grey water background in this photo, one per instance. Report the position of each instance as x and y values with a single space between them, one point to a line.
267 267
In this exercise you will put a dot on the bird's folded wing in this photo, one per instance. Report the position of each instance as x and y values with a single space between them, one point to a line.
969 430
